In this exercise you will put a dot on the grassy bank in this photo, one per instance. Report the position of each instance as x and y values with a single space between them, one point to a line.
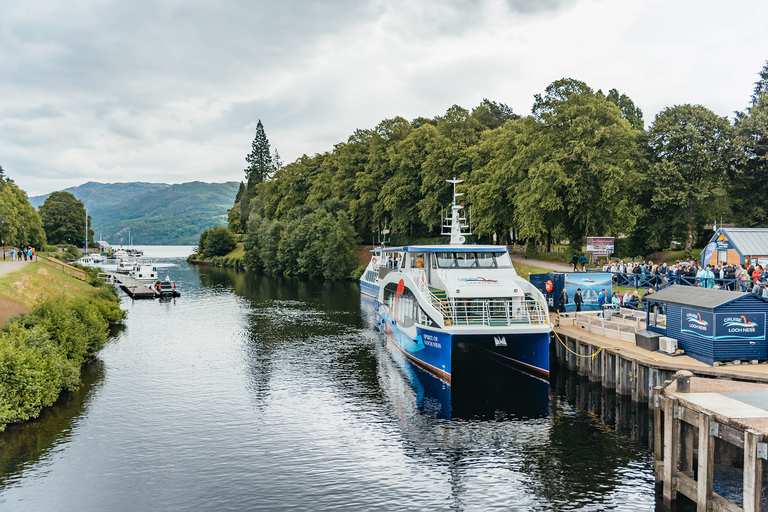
233 259
61 322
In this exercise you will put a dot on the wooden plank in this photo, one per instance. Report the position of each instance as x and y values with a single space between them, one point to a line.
731 435
706 468
686 486
753 472
658 433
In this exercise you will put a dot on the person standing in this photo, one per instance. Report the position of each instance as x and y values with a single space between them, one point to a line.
578 300
563 300
601 300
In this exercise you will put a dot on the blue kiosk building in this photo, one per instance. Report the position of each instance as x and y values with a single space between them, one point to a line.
711 325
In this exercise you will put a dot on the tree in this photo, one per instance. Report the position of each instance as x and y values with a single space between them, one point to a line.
579 168
63 219
690 150
19 222
749 181
217 241
628 109
493 115
259 160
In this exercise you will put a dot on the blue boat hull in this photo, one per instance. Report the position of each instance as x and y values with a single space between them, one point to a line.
432 348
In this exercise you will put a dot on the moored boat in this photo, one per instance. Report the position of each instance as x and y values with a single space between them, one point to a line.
144 270
429 298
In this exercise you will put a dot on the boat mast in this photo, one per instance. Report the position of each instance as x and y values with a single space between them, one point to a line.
455 221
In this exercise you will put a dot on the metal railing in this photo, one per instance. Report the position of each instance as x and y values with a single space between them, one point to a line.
659 281
494 312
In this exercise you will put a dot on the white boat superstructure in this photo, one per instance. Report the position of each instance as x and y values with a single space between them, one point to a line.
144 270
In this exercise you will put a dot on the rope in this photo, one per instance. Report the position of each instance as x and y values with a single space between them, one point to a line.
566 346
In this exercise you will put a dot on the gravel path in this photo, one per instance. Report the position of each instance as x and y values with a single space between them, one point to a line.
9 266
551 265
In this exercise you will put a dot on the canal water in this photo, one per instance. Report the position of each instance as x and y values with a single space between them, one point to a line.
258 393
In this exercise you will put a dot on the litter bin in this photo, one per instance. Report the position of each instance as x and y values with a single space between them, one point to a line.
607 311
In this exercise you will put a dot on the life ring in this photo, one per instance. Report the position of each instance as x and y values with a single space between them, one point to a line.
374 259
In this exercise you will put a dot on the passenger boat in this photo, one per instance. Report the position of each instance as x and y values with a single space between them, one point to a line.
430 298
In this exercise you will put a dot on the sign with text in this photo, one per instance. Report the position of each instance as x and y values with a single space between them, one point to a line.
747 326
697 322
601 246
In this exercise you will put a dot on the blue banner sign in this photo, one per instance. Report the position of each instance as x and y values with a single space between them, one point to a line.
749 326
697 322
591 283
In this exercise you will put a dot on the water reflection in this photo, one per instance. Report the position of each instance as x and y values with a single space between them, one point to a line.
23 445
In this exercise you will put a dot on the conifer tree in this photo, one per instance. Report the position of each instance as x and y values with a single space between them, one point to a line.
259 160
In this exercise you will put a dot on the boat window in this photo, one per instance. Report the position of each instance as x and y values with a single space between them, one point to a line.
473 260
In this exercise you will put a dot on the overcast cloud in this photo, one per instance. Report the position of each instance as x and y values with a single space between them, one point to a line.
170 91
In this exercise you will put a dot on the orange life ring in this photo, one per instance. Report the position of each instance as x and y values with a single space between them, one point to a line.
374 259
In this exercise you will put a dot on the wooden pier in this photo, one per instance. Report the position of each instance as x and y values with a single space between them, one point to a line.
727 403
134 288
698 420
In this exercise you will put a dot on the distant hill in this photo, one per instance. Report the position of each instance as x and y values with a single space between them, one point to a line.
155 213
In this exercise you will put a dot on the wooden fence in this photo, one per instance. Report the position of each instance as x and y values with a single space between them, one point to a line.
67 269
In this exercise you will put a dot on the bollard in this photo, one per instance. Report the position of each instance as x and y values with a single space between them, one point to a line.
683 379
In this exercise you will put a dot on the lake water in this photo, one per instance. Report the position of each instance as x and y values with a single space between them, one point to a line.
258 393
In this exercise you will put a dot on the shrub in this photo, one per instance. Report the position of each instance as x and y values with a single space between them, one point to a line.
42 352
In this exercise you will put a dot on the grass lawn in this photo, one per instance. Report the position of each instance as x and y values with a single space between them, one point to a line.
21 289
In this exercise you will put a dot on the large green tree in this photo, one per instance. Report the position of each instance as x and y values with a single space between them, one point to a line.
579 168
63 219
690 150
20 223
259 170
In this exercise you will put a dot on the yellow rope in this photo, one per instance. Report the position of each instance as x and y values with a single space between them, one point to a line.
566 346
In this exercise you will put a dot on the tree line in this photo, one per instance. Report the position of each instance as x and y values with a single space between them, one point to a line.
581 164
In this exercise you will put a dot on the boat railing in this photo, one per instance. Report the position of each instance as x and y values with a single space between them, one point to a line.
497 312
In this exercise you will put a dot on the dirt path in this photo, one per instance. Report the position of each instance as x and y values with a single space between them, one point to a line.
551 265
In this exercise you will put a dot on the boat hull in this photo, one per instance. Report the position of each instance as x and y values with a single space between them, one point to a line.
432 348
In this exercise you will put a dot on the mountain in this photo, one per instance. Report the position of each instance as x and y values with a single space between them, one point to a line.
154 213
100 195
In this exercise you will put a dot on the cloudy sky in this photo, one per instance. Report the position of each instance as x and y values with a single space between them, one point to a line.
170 90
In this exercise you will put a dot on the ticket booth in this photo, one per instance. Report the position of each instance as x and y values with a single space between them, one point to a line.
711 325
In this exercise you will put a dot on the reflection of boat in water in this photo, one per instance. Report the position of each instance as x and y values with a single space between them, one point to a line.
430 298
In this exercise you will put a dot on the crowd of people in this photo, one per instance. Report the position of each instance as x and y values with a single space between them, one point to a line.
723 275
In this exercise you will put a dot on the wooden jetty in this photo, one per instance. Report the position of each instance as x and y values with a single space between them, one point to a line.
699 420
727 403
134 288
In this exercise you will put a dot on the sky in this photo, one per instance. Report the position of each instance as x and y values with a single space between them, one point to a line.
170 90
